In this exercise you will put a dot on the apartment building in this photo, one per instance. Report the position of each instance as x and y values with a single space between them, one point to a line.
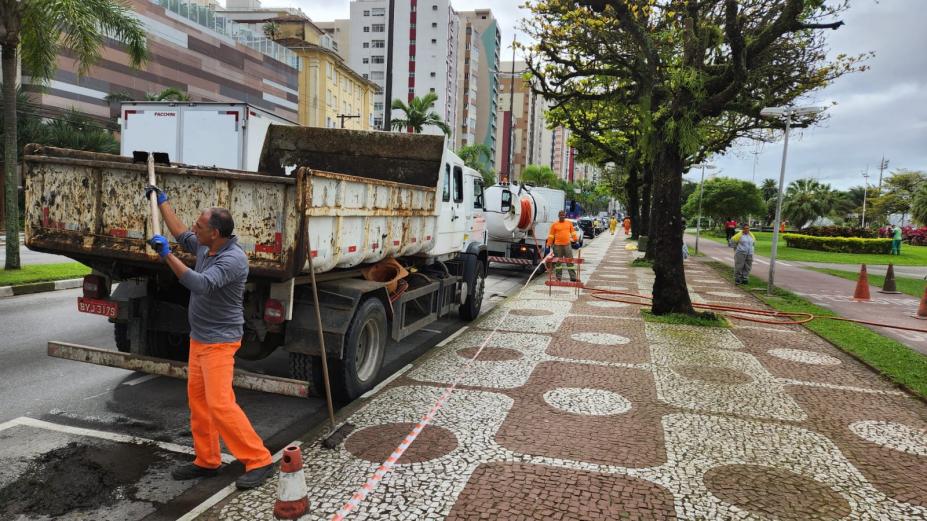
522 115
191 49
424 54
340 33
331 93
478 76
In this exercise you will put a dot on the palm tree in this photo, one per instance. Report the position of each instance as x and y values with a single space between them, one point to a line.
539 175
806 200
919 206
40 29
419 114
271 30
770 192
168 94
473 156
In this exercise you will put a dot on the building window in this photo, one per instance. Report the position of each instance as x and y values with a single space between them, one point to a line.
377 122
411 90
379 28
366 60
411 74
432 75
434 25
366 76
411 42
366 13
378 105
378 44
366 45
431 89
376 59
376 75
434 8
366 29
434 40
378 11
411 26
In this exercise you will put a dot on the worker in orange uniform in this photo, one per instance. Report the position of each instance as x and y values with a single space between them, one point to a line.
216 315
627 225
562 233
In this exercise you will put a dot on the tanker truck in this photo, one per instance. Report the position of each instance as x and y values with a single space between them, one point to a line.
517 220
340 203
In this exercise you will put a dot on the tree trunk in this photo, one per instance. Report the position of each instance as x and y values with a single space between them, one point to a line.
633 190
670 294
646 205
11 179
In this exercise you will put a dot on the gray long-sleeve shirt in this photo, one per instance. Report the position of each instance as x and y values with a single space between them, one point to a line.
745 244
217 290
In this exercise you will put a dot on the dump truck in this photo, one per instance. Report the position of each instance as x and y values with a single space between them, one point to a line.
337 202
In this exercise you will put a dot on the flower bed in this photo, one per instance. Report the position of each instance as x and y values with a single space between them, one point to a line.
838 244
840 231
909 234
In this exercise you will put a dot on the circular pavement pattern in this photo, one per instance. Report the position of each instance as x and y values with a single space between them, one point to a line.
607 304
893 436
765 490
375 444
589 402
713 375
490 354
602 339
804 357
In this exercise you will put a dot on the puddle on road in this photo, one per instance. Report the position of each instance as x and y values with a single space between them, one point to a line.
82 477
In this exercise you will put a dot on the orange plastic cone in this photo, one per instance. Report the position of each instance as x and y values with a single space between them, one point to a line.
922 308
862 285
889 285
292 497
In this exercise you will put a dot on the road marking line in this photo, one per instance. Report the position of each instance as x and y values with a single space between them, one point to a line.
108 390
386 382
141 379
225 492
784 263
25 421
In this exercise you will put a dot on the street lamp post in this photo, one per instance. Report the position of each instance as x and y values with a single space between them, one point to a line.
865 193
786 113
701 189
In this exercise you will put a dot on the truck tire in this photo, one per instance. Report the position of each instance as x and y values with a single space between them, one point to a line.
121 336
308 368
471 307
364 345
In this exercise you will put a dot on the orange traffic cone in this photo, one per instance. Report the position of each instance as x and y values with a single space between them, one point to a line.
292 497
862 285
922 308
889 285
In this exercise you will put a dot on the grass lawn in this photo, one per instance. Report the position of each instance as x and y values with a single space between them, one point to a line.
893 359
910 255
705 320
42 273
909 286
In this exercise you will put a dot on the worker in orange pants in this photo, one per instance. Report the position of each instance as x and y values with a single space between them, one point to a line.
627 225
214 412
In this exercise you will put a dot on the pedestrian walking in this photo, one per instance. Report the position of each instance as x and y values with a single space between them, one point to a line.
730 228
896 239
561 235
743 255
216 315
612 225
627 225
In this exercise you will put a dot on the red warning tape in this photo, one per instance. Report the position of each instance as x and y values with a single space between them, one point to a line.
390 462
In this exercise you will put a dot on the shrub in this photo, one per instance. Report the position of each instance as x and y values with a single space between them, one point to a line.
909 234
840 231
838 244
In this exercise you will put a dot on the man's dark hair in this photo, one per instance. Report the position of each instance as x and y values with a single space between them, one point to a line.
221 220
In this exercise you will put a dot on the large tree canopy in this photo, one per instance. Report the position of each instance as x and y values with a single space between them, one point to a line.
724 198
683 79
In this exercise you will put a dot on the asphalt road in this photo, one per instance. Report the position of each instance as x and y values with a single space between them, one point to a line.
71 395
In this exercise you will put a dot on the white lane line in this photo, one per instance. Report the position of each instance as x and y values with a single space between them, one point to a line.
784 263
386 382
211 501
25 421
108 390
141 379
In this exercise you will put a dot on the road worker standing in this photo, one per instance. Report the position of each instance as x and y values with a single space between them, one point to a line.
562 234
217 287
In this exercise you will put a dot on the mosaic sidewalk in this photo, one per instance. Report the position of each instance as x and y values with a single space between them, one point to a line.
579 410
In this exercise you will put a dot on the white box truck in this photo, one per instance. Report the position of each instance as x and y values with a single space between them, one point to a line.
353 198
221 135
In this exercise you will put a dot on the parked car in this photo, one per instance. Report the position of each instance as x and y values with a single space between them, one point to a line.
588 227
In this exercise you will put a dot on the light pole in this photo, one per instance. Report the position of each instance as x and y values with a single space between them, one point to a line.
784 113
865 193
701 189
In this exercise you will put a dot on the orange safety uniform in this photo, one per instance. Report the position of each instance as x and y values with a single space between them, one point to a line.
626 225
214 412
562 234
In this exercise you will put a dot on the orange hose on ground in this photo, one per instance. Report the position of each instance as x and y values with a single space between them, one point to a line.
527 214
796 317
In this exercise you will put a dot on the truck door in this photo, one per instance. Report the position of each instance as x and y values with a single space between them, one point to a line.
452 222
474 207
212 136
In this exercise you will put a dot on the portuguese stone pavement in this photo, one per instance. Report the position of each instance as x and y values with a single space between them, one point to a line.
577 409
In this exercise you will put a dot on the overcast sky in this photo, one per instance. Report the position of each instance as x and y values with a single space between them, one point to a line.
880 111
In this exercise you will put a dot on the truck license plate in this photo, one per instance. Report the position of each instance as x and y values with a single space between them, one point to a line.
97 307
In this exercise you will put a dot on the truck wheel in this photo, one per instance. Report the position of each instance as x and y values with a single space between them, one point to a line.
471 307
173 346
307 368
121 335
364 345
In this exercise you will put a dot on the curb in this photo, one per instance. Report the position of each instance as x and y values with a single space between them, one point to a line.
39 287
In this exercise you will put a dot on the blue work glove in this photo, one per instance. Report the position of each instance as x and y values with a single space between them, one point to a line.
162 197
546 251
159 244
